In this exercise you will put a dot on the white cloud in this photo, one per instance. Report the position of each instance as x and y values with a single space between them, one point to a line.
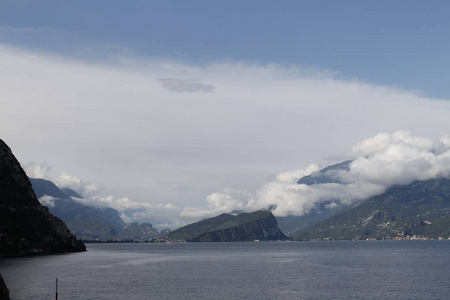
84 189
221 202
48 201
399 158
37 170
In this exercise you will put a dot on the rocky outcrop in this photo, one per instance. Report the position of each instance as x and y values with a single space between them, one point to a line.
259 225
4 292
27 227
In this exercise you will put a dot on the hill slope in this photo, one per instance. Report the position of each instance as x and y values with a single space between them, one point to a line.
259 225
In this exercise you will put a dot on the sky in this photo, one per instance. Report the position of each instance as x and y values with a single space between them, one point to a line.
172 111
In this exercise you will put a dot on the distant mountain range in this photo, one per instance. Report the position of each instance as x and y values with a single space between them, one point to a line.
421 208
259 225
88 222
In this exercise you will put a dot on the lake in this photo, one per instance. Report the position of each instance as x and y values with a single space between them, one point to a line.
248 270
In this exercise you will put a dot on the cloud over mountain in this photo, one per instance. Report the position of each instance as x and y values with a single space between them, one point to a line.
377 164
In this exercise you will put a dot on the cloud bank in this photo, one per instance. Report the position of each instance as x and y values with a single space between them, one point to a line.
114 123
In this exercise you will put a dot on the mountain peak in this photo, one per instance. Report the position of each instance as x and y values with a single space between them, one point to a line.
329 174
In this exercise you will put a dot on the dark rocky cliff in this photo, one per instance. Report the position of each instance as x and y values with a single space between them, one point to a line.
27 227
4 292
260 225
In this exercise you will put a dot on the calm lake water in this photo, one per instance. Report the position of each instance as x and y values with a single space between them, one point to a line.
265 270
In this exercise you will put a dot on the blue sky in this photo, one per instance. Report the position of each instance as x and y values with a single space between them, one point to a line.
397 43
171 111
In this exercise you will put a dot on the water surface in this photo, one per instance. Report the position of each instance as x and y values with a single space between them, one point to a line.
264 270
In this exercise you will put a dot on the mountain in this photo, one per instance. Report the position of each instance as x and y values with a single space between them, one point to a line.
421 208
27 227
88 222
259 225
329 174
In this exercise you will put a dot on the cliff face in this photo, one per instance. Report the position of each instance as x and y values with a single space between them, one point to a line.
26 227
260 225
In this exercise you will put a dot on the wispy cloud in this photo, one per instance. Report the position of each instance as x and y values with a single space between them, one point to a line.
22 30
185 85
